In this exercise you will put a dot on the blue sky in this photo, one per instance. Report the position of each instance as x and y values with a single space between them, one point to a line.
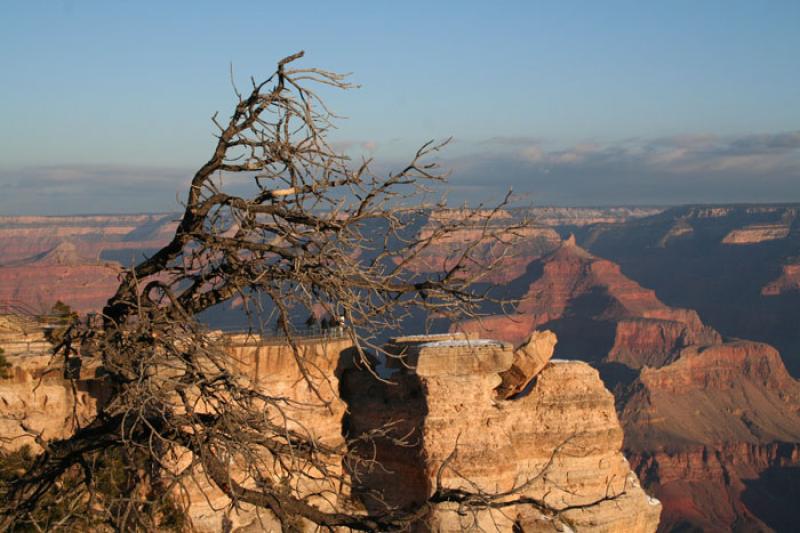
105 104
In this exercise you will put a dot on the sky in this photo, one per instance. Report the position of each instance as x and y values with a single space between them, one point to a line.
105 105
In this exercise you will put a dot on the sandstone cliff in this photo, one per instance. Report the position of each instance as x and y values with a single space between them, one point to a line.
35 399
597 312
757 233
682 392
585 216
716 435
558 443
506 262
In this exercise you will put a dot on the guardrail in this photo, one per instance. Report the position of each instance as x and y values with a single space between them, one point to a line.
303 335
25 313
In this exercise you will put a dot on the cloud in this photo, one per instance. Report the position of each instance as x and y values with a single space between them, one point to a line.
665 170
512 140
91 189
344 146
693 168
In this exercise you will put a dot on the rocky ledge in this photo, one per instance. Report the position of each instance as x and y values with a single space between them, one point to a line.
546 457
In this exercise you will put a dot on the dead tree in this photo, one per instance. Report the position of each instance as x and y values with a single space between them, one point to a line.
280 219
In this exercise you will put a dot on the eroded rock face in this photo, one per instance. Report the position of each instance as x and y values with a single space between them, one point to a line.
75 259
500 263
738 289
720 488
84 287
529 360
710 432
593 307
682 391
651 341
35 399
757 233
789 280
584 216
558 443
315 411
736 392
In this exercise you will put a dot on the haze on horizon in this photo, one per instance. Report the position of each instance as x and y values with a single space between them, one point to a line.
106 105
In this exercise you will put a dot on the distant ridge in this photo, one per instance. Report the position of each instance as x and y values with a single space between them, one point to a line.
64 253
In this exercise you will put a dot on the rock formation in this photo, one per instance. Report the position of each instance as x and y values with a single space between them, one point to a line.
789 280
35 399
599 309
683 393
705 431
23 237
73 259
585 216
557 443
529 360
509 262
59 274
741 290
316 411
757 233
762 232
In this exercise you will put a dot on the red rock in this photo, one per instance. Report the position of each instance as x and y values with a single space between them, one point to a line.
639 329
705 421
45 259
789 280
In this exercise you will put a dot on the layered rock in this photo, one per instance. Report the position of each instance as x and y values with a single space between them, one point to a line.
682 391
23 237
681 228
741 290
757 233
73 259
558 443
502 254
313 408
736 392
591 305
84 286
529 360
710 433
36 402
789 280
585 216
22 336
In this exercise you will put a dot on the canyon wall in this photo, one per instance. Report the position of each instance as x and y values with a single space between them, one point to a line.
558 443
787 281
744 289
75 259
36 402
550 457
684 393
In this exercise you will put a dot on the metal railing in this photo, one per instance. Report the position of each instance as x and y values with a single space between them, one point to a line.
280 337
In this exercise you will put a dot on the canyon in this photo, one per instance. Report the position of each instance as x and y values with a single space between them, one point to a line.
706 418
74 259
741 289
548 459
659 301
